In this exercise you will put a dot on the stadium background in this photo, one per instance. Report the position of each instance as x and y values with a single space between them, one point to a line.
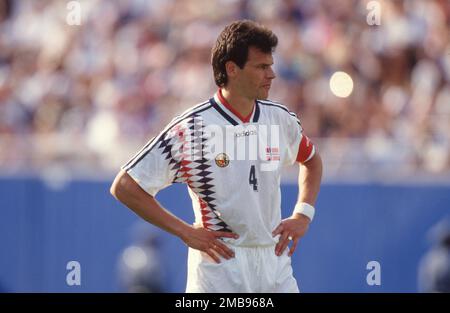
76 101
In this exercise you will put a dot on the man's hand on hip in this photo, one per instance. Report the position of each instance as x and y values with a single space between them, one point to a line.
292 228
209 242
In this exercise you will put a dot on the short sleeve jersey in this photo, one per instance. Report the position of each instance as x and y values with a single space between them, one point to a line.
231 164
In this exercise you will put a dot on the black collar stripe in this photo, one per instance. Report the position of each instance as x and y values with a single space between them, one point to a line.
222 112
256 115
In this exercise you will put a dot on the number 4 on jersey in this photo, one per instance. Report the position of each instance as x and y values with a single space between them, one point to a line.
252 178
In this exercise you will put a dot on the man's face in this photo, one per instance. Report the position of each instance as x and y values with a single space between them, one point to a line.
253 81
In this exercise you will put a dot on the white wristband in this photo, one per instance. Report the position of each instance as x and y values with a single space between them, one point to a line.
305 209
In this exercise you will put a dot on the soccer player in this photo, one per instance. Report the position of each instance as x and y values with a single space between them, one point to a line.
238 243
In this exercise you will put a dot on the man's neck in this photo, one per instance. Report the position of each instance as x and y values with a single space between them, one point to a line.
244 106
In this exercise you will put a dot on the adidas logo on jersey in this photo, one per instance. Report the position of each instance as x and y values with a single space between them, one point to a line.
246 133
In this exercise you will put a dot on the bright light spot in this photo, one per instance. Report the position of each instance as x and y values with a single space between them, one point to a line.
341 84
102 132
135 257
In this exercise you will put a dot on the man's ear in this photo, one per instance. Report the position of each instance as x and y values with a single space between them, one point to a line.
231 68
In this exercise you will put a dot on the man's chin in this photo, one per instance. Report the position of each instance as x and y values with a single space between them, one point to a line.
263 96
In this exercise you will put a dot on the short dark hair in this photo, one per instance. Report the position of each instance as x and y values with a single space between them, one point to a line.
233 44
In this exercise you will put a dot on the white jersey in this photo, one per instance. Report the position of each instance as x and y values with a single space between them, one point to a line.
231 165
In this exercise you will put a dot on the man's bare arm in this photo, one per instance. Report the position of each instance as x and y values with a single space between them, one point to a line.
296 226
127 191
309 180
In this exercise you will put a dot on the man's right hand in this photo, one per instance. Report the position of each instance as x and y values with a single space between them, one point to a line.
209 242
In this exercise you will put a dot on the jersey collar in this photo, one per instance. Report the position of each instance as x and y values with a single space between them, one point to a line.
229 113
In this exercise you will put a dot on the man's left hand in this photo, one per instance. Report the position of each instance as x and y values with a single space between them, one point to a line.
292 228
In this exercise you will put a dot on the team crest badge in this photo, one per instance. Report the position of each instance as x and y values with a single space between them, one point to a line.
222 160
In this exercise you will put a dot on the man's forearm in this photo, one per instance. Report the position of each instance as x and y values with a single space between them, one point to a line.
309 180
134 197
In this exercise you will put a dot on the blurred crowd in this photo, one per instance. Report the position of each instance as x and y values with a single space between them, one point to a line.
86 97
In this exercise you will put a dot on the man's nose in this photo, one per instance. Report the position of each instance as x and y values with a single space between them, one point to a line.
270 73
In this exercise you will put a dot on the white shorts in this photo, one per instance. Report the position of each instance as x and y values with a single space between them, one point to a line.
254 270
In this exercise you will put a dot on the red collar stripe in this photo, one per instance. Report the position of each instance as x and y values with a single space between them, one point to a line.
233 110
